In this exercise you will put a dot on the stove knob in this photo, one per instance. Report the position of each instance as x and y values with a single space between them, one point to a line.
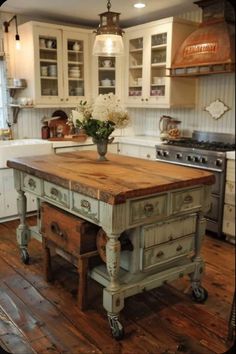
196 158
166 153
218 162
189 158
159 153
204 160
179 155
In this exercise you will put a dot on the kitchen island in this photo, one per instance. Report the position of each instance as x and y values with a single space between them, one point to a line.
158 206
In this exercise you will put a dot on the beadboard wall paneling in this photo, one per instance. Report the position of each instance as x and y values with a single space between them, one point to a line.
29 122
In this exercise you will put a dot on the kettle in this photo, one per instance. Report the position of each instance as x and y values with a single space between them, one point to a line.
168 125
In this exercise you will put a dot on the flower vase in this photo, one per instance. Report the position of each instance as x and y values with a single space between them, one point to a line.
102 147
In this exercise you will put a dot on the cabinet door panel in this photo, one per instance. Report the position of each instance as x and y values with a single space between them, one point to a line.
75 55
48 65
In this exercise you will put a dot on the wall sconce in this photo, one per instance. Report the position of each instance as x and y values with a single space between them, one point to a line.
108 40
6 24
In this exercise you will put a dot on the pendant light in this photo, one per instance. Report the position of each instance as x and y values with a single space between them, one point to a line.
108 40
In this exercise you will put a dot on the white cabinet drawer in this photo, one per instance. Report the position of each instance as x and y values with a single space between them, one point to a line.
86 206
230 171
146 209
156 234
154 256
147 152
32 184
57 194
230 193
229 220
186 200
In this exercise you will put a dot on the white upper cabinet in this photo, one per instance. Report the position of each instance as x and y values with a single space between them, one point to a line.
54 60
150 49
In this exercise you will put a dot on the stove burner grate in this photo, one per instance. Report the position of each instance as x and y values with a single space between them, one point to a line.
205 145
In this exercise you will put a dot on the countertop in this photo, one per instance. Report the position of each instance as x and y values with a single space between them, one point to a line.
134 140
113 181
230 155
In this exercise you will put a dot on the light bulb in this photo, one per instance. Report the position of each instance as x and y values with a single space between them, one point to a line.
139 5
17 38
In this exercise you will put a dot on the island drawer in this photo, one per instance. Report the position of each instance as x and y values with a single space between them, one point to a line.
67 232
86 206
32 184
56 194
186 200
170 230
145 209
165 252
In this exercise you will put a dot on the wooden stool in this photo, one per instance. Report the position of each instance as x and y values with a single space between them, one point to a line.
72 238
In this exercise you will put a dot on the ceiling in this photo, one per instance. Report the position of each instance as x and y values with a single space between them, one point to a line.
85 12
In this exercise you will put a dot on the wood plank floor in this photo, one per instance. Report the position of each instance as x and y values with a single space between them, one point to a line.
39 317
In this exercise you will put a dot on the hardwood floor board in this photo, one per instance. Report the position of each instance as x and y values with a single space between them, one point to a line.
181 324
49 317
198 313
12 337
167 324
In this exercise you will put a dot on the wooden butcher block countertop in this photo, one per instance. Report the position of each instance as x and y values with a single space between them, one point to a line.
112 181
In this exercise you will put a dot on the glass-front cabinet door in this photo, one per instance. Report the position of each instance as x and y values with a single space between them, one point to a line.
61 66
48 65
106 75
75 54
135 75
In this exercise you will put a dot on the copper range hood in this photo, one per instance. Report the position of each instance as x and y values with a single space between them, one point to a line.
211 48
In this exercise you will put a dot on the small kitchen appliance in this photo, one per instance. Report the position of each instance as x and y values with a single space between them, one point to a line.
169 128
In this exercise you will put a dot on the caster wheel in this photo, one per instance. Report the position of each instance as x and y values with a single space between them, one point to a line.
199 295
24 256
118 331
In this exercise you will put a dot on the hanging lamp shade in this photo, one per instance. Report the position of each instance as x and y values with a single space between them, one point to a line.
108 40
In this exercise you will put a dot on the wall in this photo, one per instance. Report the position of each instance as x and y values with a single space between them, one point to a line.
145 121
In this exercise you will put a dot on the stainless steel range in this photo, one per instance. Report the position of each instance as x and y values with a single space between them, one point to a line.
206 151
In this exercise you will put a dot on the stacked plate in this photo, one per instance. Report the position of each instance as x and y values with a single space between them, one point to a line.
74 71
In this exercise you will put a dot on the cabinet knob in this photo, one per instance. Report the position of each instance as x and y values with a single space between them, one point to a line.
61 99
142 99
146 99
160 254
179 248
67 99
148 209
148 156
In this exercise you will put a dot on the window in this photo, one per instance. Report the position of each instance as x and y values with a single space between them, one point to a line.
3 95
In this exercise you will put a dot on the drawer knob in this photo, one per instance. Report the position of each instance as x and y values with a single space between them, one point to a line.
188 199
179 248
148 209
55 228
31 183
55 193
160 254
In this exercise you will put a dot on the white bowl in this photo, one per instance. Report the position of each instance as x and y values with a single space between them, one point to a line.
106 82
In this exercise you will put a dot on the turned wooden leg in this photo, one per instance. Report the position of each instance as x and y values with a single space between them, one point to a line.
83 286
113 260
47 266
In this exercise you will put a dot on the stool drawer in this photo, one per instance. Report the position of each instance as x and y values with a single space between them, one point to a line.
68 232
